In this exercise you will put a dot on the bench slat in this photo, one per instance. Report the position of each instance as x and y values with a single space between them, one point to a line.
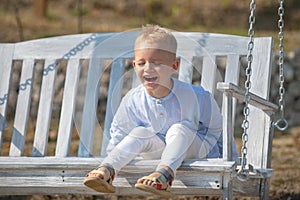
209 73
22 109
260 122
89 109
229 105
5 76
114 97
68 107
45 108
186 70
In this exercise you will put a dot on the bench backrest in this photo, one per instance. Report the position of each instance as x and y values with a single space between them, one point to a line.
76 76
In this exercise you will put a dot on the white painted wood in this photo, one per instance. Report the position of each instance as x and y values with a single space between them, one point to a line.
53 175
62 174
208 80
89 109
113 99
67 111
231 76
186 69
135 80
227 127
45 108
261 76
6 52
255 100
22 109
227 191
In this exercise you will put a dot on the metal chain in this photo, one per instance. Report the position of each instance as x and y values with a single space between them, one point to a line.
243 173
281 124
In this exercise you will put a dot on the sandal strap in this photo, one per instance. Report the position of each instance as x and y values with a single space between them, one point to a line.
95 171
110 169
167 177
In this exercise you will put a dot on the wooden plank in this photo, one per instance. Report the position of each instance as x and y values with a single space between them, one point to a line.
22 109
255 100
45 108
229 105
89 109
227 127
68 107
259 123
81 46
232 68
6 54
135 80
88 163
209 73
232 75
75 46
186 69
113 99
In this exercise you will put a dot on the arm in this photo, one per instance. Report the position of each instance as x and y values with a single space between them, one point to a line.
212 121
123 122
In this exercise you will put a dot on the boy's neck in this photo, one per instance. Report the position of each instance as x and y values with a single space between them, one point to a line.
162 91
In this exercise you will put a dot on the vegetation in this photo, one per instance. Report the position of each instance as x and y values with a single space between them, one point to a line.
30 19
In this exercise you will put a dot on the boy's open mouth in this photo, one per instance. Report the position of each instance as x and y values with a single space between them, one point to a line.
150 79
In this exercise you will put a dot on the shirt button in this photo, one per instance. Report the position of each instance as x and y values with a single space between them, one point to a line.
158 101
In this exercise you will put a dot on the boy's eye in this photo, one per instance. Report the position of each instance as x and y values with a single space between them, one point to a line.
143 63
157 63
140 64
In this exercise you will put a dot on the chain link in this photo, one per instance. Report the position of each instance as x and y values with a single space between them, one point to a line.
281 124
243 173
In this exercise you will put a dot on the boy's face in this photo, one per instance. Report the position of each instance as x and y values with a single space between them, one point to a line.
154 68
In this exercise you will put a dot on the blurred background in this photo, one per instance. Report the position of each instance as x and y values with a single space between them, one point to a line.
22 20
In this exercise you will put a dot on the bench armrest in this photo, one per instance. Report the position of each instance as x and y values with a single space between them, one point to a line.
239 93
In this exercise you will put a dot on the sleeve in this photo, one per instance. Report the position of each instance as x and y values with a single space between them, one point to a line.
213 120
123 121
210 124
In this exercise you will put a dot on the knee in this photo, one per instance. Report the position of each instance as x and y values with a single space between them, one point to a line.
180 128
141 132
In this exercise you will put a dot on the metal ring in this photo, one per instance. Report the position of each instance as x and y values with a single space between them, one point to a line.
281 124
243 175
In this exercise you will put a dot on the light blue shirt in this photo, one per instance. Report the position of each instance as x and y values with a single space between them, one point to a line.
186 104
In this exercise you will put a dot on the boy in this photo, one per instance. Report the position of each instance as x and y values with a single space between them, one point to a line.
163 118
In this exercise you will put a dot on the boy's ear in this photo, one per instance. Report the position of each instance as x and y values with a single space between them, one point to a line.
133 63
175 64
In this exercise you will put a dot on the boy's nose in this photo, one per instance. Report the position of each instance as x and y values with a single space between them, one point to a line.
148 66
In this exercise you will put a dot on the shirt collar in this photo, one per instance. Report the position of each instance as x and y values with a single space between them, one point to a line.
170 95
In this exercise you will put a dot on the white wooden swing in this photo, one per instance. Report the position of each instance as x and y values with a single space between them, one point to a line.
60 173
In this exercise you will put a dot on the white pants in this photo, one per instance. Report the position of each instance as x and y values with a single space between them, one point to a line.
181 144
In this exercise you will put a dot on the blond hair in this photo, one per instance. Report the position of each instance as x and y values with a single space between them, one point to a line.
154 36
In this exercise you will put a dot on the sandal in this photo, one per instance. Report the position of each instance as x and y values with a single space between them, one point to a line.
99 181
157 189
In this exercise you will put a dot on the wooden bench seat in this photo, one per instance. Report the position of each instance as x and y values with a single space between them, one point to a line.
52 175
